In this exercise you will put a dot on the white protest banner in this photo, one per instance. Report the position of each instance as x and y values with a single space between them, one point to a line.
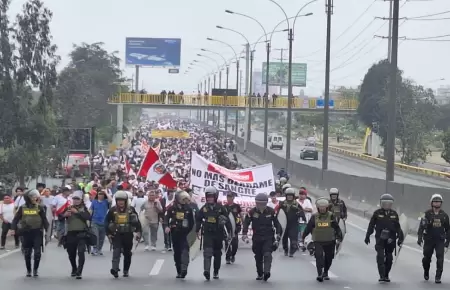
244 182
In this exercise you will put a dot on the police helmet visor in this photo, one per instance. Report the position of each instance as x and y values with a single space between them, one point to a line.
334 195
386 204
76 200
436 203
261 205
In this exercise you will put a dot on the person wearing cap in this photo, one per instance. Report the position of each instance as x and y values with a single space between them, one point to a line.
76 217
30 221
434 234
236 210
179 221
326 234
386 224
7 211
263 221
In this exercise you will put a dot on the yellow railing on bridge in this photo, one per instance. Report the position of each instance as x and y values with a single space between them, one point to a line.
228 101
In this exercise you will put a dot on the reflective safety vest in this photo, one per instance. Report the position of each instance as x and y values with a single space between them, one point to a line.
31 219
122 221
337 209
323 232
75 224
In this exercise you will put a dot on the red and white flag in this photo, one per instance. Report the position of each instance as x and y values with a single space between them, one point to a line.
128 168
153 169
157 148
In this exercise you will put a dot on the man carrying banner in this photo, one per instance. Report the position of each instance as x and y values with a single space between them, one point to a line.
213 219
235 210
263 220
179 221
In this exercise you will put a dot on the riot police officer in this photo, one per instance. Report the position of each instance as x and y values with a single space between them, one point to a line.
121 221
337 205
293 211
326 234
30 221
263 220
236 211
434 232
385 223
213 219
179 222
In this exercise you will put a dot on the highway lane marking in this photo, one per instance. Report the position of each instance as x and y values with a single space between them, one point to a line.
156 267
330 274
9 253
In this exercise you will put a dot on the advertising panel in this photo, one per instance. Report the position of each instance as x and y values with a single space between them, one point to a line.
278 74
153 52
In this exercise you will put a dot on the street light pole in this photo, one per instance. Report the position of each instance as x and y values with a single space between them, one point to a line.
289 109
250 100
326 110
236 122
266 101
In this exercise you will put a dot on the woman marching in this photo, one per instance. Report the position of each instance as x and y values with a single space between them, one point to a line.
76 217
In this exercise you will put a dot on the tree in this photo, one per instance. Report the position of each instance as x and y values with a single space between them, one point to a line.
446 152
415 110
28 128
92 76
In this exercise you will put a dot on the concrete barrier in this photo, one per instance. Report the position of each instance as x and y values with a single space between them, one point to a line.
364 192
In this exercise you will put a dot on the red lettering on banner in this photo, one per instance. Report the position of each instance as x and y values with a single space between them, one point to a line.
244 176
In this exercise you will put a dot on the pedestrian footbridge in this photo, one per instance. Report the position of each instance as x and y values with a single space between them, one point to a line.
346 106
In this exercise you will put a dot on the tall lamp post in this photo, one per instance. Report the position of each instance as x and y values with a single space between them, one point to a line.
237 83
247 92
290 96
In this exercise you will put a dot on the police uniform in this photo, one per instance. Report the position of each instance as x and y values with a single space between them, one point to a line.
263 221
293 212
337 206
385 223
232 246
30 220
211 219
434 231
180 219
75 237
121 223
325 234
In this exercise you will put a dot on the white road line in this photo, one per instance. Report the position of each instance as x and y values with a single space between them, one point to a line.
156 267
330 274
4 255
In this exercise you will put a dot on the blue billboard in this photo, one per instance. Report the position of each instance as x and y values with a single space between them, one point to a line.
153 52
320 104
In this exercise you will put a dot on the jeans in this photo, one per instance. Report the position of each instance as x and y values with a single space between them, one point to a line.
153 234
100 232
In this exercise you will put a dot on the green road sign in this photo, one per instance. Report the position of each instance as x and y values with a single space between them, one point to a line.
278 74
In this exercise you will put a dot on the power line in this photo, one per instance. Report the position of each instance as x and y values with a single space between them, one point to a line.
430 15
357 19
426 19
428 37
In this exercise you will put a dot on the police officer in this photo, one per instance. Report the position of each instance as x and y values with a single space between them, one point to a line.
337 205
236 211
263 220
293 211
121 221
76 217
385 223
30 220
179 221
213 219
326 234
434 231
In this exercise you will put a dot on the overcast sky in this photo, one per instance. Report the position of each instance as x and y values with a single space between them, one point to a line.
354 48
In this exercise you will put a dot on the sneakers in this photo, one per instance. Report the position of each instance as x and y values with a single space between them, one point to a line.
147 248
153 248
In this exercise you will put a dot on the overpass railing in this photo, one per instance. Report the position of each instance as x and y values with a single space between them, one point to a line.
229 101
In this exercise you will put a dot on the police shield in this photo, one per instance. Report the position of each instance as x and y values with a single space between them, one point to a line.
343 228
282 219
404 225
194 244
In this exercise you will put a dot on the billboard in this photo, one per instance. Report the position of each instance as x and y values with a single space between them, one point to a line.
278 74
153 52
320 104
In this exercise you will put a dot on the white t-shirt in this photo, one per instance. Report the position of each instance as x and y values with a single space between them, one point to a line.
306 204
7 210
272 205
20 200
137 202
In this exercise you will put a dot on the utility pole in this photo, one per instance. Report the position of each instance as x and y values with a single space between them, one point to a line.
390 145
281 50
390 30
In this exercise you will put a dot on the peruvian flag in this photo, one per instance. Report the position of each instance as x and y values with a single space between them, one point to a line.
128 168
153 169
157 148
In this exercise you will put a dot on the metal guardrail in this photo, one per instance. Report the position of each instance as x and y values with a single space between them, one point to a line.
409 168
229 101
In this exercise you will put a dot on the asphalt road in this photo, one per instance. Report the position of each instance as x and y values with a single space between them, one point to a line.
350 166
354 268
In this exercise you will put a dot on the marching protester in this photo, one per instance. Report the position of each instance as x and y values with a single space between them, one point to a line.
99 209
7 210
151 209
